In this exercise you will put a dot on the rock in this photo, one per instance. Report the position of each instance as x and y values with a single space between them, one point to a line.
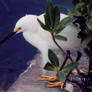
69 87
27 81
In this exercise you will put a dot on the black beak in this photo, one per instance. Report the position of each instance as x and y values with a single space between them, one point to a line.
6 38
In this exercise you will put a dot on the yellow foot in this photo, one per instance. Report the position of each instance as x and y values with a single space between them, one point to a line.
48 78
55 84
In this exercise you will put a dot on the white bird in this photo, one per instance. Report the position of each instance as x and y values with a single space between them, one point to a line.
42 39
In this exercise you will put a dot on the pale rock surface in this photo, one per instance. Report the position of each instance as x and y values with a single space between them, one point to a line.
27 81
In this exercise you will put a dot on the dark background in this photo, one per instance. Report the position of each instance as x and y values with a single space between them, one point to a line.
16 52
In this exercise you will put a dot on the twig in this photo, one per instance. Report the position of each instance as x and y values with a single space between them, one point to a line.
64 62
60 47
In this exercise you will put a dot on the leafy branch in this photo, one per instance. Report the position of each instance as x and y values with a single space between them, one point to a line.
84 19
83 13
54 65
54 25
60 47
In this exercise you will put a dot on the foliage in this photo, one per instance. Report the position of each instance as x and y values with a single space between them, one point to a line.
53 22
59 37
83 13
54 25
54 65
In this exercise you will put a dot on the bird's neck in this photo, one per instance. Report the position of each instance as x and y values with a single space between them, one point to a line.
34 39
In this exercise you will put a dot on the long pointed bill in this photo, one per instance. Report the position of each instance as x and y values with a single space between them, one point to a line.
9 36
6 38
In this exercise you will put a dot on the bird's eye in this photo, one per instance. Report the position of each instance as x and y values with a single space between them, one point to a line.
17 29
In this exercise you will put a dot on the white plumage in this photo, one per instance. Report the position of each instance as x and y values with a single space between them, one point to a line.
42 39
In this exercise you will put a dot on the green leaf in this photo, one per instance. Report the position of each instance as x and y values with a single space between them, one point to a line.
71 12
47 21
61 76
42 25
49 12
49 67
74 13
60 37
68 20
70 67
90 8
80 6
85 42
53 58
63 23
56 15
89 23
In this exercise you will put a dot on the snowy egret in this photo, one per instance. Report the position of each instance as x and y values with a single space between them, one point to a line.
42 39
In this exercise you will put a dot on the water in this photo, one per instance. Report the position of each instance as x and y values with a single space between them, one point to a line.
16 52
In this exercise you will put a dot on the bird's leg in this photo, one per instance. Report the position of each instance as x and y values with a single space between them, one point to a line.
52 81
44 56
48 78
44 61
55 84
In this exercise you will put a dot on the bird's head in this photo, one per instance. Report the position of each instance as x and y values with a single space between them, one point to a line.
26 23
